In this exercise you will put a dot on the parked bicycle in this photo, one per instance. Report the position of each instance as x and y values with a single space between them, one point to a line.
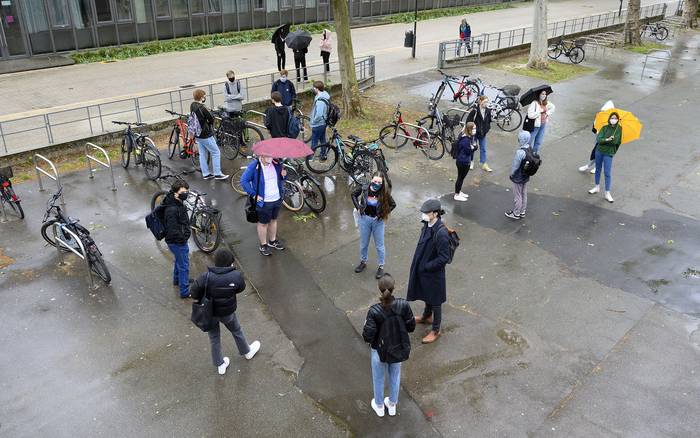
8 197
293 192
313 194
55 216
305 133
654 30
571 49
205 220
180 142
235 134
144 150
398 133
466 92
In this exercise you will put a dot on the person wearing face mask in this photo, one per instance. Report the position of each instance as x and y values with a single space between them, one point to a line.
317 121
233 94
519 178
374 203
177 233
277 117
285 88
326 46
590 166
607 143
466 145
539 111
427 280
481 117
206 141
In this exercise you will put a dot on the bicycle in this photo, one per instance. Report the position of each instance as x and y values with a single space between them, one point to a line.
7 193
467 89
144 150
205 221
396 134
180 135
572 50
234 133
86 246
292 191
505 109
656 30
305 120
314 197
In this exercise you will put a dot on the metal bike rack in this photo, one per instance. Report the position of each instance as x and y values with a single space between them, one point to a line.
257 113
107 163
82 254
53 176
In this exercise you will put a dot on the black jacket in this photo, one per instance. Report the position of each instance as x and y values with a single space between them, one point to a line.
300 54
483 124
426 281
277 121
206 119
376 316
359 199
177 223
223 285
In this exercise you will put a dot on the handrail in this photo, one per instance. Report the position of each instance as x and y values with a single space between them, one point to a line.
54 177
660 58
107 163
82 254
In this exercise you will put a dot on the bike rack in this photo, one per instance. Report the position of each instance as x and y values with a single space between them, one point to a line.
107 163
418 128
660 58
257 113
82 254
53 176
459 110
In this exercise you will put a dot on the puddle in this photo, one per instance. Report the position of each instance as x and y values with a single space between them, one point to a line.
654 285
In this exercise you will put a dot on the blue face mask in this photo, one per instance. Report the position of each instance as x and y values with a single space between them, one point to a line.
374 187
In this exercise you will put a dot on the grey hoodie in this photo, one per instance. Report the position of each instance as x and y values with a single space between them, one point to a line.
523 142
233 96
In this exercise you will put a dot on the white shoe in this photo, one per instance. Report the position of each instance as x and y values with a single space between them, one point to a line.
254 347
223 366
464 194
594 190
391 407
609 198
459 197
583 168
379 410
471 165
593 171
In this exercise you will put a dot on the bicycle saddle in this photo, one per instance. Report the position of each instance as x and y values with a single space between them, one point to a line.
355 138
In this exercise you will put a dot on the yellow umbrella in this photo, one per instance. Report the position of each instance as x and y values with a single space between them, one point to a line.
629 123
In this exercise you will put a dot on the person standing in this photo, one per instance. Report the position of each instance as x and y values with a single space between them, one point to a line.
221 283
177 233
607 143
300 61
373 204
262 179
286 88
591 160
206 141
540 111
466 145
280 50
326 47
481 116
317 120
233 95
465 34
277 117
519 178
378 315
427 280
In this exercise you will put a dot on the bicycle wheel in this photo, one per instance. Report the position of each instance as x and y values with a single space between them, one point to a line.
8 196
661 33
293 197
236 181
364 165
194 156
305 127
435 149
317 165
469 94
251 135
47 234
576 55
228 144
206 230
554 51
174 142
151 160
393 137
157 198
97 264
126 151
314 198
509 119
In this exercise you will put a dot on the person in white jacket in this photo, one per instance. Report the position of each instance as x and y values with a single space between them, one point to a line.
326 46
540 111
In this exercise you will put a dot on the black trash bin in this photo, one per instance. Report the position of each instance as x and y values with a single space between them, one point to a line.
408 39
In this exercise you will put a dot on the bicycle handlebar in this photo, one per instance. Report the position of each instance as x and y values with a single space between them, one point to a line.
173 113
128 123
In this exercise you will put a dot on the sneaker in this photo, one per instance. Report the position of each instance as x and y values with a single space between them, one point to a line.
361 267
609 198
431 337
391 407
512 215
210 176
584 168
223 366
264 251
593 171
276 244
464 194
184 297
254 348
379 410
522 215
380 272
459 197
594 190
221 177
471 165
486 167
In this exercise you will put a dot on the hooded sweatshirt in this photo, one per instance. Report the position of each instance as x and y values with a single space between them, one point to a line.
277 121
515 171
320 109
325 43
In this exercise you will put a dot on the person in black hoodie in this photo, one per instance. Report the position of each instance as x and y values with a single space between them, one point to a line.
277 117
177 233
300 62
221 283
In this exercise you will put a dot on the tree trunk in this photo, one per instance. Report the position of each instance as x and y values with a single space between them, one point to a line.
538 48
352 106
632 35
690 13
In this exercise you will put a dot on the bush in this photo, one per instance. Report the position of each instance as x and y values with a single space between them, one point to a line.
407 17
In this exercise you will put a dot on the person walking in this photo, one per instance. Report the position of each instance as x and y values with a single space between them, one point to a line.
286 88
208 149
465 35
263 180
177 233
221 283
607 143
466 145
540 111
277 117
481 116
427 280
591 161
373 204
378 315
317 120
281 52
519 178
300 61
326 46
233 95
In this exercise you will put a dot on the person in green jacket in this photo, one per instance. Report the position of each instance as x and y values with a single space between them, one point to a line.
607 142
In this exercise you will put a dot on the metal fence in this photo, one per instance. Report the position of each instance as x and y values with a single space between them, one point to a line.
83 121
447 50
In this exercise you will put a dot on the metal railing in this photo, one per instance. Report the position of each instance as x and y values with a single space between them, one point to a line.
48 127
654 55
106 163
54 176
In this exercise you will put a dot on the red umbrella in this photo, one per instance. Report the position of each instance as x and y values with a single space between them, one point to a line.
282 147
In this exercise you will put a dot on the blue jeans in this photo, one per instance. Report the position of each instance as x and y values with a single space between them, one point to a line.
318 136
604 161
208 147
379 369
371 226
181 268
536 137
482 149
231 323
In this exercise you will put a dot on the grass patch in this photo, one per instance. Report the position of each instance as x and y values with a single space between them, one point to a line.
557 71
407 17
646 48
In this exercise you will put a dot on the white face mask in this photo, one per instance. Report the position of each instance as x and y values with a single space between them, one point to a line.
473 131
283 78
613 121
424 217
543 96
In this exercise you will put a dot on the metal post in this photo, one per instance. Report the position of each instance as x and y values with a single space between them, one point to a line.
107 163
619 12
415 29
54 177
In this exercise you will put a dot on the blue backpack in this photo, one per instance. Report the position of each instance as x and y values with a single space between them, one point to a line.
155 221
293 126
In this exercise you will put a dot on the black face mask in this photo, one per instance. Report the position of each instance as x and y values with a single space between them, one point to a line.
232 79
375 187
183 196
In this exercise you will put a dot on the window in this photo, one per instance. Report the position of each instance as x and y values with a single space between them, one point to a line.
140 10
196 6
242 5
58 11
179 8
285 4
214 6
162 9
299 3
104 12
123 9
259 4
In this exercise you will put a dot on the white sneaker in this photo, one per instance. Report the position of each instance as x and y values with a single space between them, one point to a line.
593 171
464 194
379 410
609 198
594 190
223 366
584 168
471 165
460 197
391 407
254 347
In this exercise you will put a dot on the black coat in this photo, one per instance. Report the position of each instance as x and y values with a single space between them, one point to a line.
224 284
426 281
376 316
359 199
177 222
277 121
483 124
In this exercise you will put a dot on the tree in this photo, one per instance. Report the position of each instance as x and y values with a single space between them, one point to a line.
352 106
632 35
538 47
690 13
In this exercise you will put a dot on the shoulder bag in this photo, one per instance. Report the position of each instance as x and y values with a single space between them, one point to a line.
251 205
203 311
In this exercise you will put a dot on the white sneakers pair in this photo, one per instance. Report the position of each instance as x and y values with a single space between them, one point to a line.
379 410
254 348
461 196
608 196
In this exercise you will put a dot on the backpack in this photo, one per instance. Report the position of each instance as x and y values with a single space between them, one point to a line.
155 221
332 112
293 126
393 344
453 241
238 86
194 129
454 149
531 163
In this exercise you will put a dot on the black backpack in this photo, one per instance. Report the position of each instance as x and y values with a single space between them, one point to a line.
531 163
393 344
332 112
155 221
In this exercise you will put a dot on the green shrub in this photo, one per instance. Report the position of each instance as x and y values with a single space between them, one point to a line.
407 17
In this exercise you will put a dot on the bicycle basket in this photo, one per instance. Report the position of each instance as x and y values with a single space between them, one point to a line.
580 42
6 172
451 122
511 90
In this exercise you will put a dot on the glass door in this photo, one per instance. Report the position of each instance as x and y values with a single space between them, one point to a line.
12 42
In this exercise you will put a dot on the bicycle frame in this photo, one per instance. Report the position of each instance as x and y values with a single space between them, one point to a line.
399 123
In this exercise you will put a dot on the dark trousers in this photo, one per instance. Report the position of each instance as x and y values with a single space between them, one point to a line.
592 158
281 60
301 62
326 57
462 171
436 311
231 323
